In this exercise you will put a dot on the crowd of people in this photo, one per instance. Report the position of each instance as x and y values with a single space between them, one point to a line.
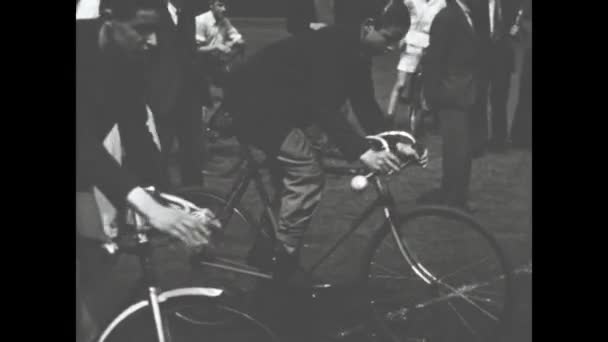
144 72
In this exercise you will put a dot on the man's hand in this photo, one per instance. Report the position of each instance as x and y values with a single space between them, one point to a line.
191 230
222 48
384 161
181 225
408 151
317 26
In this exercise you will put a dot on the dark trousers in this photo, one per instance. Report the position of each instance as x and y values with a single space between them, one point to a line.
455 127
495 88
184 124
521 131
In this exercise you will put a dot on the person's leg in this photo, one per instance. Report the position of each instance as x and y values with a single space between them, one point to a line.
456 166
499 93
302 185
521 131
479 118
401 82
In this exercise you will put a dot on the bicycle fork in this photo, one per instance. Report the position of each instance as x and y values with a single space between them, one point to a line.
416 266
159 322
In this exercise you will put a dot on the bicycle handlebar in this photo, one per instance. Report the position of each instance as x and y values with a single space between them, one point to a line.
388 141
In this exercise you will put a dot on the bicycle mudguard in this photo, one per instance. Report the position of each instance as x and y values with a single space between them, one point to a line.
162 297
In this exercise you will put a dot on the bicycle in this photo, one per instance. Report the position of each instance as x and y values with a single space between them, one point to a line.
179 314
413 288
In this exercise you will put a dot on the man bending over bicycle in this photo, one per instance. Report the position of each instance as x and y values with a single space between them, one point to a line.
109 91
301 81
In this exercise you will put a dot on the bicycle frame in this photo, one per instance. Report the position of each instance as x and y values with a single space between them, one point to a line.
384 201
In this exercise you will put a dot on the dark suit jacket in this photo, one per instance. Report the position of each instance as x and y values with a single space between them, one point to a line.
304 80
451 64
299 14
109 91
499 53
172 69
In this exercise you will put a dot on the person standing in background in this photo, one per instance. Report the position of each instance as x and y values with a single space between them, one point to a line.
493 18
521 129
218 42
451 79
417 39
175 89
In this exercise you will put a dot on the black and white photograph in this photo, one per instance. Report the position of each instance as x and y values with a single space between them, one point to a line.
303 170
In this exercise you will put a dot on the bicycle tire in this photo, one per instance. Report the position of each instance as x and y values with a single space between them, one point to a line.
136 324
423 307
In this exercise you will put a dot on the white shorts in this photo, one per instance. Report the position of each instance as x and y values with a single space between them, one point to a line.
410 58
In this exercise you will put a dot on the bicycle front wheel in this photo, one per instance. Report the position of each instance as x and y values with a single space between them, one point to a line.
437 275
186 319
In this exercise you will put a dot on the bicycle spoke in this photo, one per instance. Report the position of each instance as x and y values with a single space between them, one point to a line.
487 301
464 321
388 270
461 293
463 268
391 277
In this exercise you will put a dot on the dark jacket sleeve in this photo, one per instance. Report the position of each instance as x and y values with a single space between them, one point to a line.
342 133
362 97
94 163
329 85
142 156
434 58
299 14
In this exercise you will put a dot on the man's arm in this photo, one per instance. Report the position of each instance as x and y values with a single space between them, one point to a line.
363 99
96 164
342 132
434 57
234 37
143 157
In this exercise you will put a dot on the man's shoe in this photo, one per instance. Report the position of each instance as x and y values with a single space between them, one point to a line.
284 264
261 254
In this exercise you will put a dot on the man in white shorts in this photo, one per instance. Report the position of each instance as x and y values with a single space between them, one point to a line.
422 13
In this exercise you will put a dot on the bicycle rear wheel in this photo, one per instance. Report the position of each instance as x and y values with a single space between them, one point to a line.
439 276
186 319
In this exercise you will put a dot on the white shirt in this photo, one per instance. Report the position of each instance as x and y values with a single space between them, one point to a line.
422 13
87 9
210 32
